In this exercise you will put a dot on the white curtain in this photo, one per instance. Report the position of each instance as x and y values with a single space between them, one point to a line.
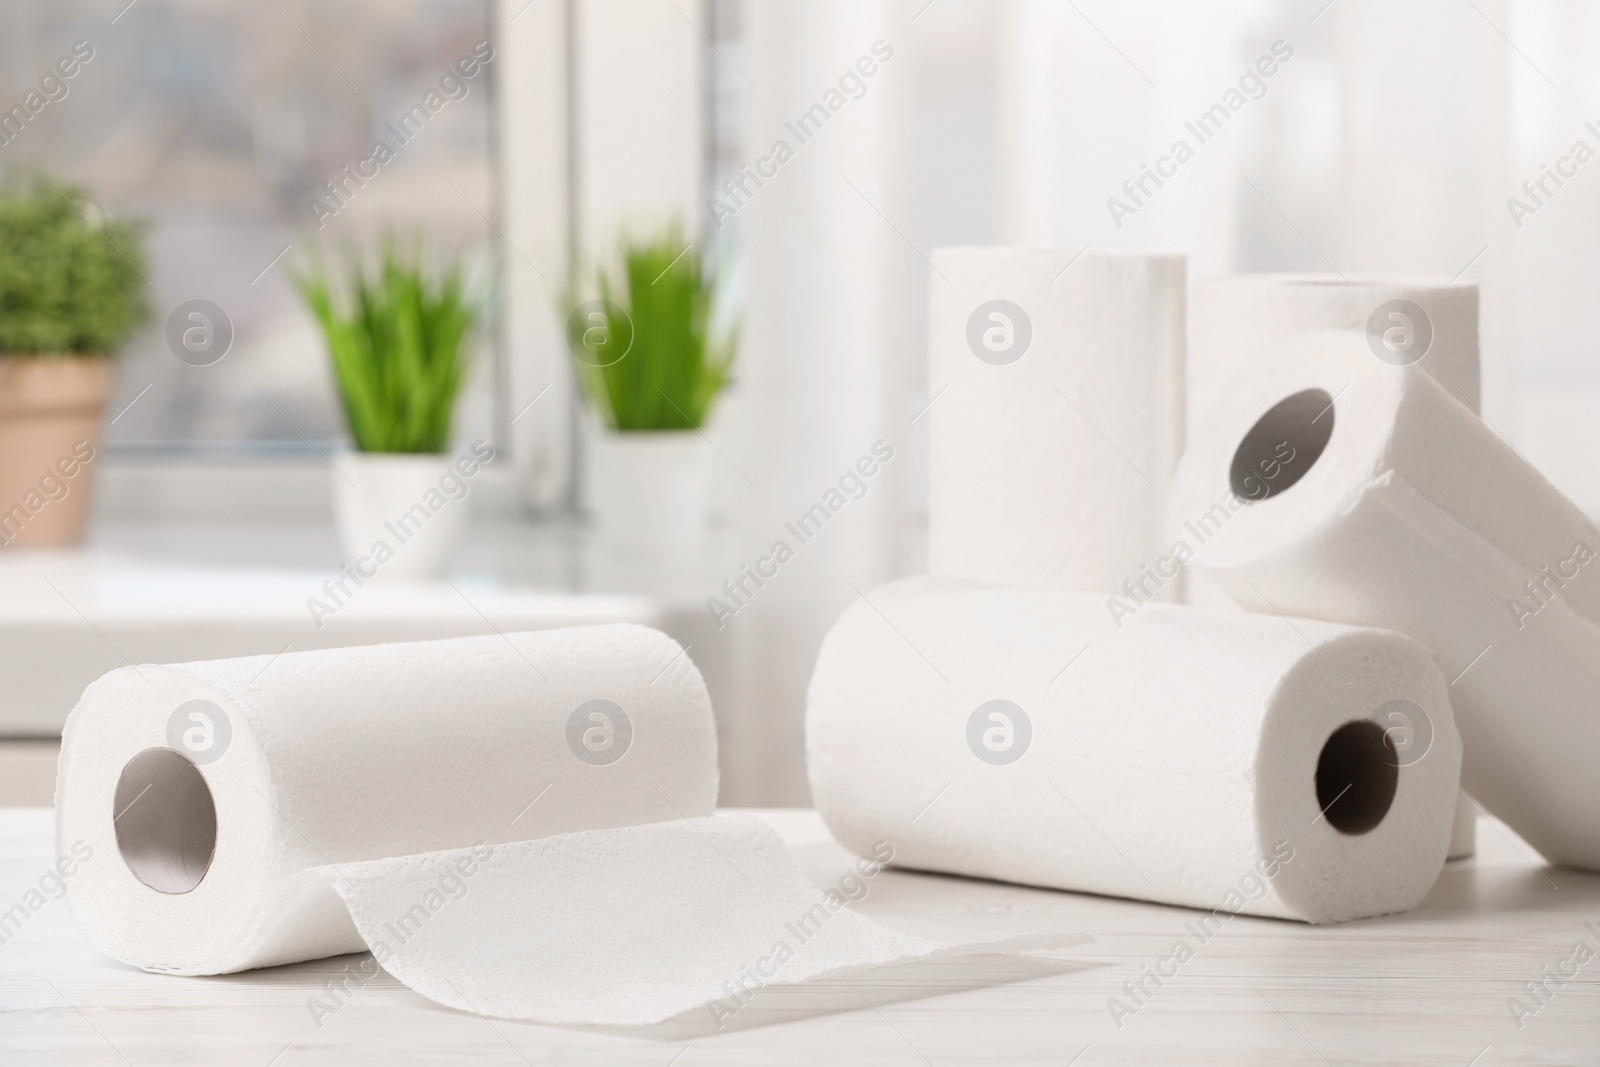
1390 142
828 360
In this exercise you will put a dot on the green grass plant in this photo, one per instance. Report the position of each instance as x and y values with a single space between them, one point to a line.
647 353
398 336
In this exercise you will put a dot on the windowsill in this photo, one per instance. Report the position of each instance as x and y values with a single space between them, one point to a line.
187 561
231 485
276 513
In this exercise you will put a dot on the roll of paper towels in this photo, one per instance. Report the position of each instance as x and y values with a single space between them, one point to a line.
1056 418
1390 504
519 825
1234 762
1241 322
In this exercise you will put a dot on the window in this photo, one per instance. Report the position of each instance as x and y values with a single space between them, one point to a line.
220 123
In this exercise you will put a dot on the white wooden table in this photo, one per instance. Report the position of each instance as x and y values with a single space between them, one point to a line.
1431 987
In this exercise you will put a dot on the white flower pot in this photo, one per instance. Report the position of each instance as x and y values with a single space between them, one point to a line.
649 486
399 515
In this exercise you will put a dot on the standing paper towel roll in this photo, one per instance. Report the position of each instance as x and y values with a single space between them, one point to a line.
1232 761
1392 505
1241 322
514 825
1057 418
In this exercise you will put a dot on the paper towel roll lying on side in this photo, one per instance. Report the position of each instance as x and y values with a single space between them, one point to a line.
1056 419
250 812
1241 322
1226 761
1393 505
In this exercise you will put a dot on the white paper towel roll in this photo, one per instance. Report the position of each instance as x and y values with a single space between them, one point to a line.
360 754
1393 505
1057 413
1240 322
1167 754
443 803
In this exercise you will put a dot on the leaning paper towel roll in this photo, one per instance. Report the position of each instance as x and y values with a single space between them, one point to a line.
1225 761
1243 322
1390 504
1056 418
516 825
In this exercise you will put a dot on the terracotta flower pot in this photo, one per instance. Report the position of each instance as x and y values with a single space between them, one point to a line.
50 415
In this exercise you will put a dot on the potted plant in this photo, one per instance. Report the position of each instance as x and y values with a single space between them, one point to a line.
397 337
651 361
72 289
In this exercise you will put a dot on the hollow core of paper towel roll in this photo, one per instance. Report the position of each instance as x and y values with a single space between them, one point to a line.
1338 486
1238 762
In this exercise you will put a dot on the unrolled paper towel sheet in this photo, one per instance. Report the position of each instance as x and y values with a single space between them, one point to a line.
1393 505
1241 322
1226 761
624 926
517 825
1056 418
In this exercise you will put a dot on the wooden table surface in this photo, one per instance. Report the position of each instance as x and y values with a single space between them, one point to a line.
1431 987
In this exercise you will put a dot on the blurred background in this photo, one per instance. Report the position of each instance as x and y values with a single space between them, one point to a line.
1389 139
